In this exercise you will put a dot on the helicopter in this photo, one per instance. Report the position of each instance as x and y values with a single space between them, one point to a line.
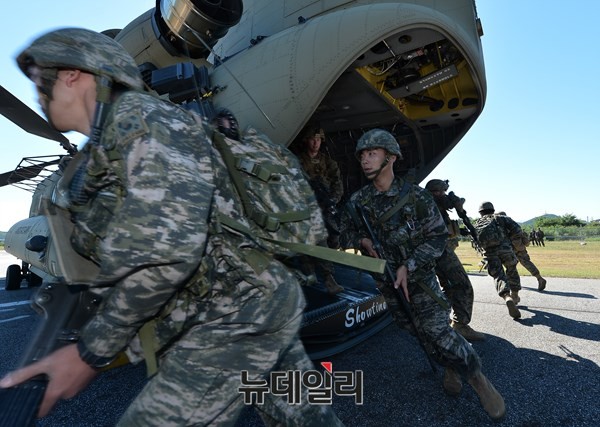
412 67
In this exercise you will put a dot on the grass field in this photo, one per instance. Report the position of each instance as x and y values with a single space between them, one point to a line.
556 259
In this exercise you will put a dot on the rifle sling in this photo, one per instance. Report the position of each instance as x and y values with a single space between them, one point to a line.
403 195
433 295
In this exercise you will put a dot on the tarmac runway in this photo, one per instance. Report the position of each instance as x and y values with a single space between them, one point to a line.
546 365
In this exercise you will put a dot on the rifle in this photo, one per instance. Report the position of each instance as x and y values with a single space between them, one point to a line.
391 277
462 214
457 203
65 309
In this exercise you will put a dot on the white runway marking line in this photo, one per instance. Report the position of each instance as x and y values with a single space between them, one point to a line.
14 303
12 319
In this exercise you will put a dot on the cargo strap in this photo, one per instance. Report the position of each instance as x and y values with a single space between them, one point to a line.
373 265
269 221
148 341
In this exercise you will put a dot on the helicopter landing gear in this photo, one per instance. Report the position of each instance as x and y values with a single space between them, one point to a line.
13 277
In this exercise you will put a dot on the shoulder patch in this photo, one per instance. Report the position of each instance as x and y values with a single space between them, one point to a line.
130 126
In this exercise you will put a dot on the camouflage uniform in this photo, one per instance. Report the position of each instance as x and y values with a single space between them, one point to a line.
326 170
414 236
525 260
502 256
539 236
146 214
226 313
453 278
324 176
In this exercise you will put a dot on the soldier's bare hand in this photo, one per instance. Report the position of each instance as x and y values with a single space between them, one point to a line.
67 374
402 280
367 245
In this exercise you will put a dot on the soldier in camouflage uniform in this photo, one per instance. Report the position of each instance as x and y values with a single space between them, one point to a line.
145 212
533 238
525 260
412 234
324 176
497 241
539 235
453 278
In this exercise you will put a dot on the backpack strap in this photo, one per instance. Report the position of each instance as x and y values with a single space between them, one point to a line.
147 336
263 172
269 221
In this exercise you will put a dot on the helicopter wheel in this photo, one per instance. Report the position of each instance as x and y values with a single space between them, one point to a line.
13 277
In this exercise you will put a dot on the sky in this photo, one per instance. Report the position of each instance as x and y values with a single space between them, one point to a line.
535 149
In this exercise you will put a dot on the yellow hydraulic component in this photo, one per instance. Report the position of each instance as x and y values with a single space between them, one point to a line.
451 92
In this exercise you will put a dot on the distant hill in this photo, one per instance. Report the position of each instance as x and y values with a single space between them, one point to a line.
528 223
531 222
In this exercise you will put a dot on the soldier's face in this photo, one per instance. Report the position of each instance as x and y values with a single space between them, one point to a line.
62 101
371 160
438 194
43 88
313 143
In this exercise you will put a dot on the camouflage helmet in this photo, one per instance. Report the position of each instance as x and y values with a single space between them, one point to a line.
84 50
486 206
378 138
437 185
311 131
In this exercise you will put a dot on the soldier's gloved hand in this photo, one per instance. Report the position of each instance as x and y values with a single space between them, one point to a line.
464 232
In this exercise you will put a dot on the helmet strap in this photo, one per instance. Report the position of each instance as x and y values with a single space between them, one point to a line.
375 174
103 99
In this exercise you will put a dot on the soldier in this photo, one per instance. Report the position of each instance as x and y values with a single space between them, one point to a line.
497 234
145 214
539 235
453 278
525 260
413 235
533 238
324 177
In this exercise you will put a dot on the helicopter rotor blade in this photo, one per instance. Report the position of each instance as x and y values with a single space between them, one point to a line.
19 113
22 173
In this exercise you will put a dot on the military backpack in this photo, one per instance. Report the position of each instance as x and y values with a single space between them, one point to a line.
278 199
489 232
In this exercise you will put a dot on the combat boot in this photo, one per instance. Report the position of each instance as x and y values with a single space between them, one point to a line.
332 286
541 282
512 307
491 400
467 332
452 382
515 296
